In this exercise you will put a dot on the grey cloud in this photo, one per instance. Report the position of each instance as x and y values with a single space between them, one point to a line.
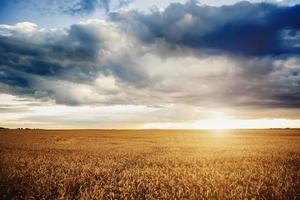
253 32
70 56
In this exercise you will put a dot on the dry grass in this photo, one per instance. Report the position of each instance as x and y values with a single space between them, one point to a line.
153 164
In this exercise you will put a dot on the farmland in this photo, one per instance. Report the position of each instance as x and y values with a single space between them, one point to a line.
150 164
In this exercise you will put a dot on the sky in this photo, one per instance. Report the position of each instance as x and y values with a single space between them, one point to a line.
126 64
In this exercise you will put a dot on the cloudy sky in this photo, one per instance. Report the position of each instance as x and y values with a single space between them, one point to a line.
149 64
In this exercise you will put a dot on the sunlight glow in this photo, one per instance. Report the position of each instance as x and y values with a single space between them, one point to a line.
20 112
222 121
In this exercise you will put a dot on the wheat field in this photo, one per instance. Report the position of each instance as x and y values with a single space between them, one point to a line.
150 164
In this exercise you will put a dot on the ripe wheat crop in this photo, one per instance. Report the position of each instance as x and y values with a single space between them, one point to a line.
152 164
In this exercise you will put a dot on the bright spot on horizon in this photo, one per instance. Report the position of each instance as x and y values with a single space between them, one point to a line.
222 121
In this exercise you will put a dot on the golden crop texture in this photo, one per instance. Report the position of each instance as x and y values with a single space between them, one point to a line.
150 164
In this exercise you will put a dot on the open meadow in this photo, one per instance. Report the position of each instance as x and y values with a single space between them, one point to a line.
150 164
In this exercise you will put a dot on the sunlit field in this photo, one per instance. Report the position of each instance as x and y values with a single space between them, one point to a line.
152 164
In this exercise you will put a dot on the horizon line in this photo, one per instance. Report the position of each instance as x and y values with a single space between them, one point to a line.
146 129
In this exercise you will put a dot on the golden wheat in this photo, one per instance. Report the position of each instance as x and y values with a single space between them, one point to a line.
153 164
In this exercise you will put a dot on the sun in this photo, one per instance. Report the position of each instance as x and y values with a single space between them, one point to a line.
216 120
223 121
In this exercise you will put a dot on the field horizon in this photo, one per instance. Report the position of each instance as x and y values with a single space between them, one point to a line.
145 129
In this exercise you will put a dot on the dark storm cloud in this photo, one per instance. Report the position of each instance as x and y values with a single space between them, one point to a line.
48 57
54 55
240 29
8 77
